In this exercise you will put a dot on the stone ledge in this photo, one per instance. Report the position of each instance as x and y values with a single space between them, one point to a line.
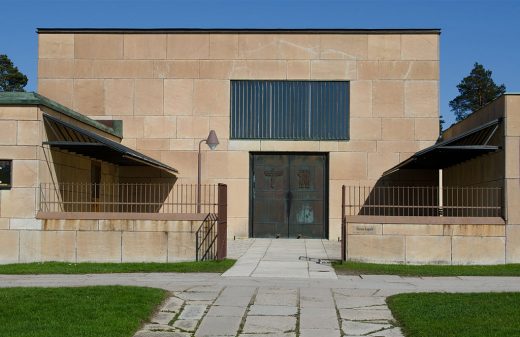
120 216
427 220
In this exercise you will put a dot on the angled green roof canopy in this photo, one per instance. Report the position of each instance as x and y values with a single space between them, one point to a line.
465 146
75 139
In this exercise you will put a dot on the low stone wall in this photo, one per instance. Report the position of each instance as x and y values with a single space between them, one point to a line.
101 241
427 240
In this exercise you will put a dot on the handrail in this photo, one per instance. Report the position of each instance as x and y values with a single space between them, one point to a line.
205 238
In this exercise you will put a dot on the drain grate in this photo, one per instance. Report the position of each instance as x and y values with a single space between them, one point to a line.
317 260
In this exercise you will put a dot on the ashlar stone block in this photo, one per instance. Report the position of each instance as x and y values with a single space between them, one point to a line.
421 99
59 90
8 134
376 248
28 133
188 46
384 47
343 46
119 97
98 246
98 46
333 70
211 97
398 129
56 46
148 97
223 46
9 246
388 98
420 47
36 246
428 249
513 244
178 97
145 46
55 68
144 247
89 97
478 250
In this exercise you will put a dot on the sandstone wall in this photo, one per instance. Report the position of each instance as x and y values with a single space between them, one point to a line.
171 89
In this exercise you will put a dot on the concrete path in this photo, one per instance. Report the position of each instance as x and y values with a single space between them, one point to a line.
211 305
284 258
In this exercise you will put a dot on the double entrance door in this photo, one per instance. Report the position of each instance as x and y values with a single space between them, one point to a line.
288 195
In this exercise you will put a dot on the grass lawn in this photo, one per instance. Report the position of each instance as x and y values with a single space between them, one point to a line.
356 268
457 315
80 312
103 268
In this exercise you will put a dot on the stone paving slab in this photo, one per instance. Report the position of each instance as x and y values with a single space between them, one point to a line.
319 318
272 310
320 333
365 314
191 312
186 324
283 258
226 311
352 328
218 326
268 324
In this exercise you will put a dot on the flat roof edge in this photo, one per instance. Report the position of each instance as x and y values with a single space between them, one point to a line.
33 98
240 30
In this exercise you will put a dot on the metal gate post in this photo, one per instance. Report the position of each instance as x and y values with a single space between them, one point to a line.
222 222
343 226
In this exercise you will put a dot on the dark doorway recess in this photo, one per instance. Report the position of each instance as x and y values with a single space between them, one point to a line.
288 195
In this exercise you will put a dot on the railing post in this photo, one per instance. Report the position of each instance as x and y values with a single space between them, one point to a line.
441 201
343 226
222 222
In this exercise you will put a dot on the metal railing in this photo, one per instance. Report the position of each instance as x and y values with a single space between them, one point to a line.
127 198
454 201
205 239
211 237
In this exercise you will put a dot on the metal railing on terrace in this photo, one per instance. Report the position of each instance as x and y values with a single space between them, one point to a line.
452 201
127 198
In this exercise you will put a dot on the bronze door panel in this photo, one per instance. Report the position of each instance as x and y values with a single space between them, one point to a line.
288 195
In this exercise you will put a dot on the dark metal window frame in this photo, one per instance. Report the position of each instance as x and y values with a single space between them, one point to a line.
9 184
259 124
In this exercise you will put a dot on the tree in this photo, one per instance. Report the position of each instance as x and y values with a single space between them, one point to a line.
475 91
11 79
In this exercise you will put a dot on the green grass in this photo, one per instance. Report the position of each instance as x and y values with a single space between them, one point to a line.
356 268
457 315
103 268
80 312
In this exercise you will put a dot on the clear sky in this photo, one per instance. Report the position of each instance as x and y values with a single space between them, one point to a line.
481 31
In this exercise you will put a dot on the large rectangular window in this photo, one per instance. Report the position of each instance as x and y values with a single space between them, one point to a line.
297 110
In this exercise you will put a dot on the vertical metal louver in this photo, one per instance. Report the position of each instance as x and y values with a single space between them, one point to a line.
299 110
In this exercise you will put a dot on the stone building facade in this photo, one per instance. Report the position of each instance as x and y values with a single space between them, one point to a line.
298 115
171 87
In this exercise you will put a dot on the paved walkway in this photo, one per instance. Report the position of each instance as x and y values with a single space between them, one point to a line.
285 258
268 297
211 305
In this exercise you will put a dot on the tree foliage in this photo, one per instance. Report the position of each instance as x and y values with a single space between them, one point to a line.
11 79
475 90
